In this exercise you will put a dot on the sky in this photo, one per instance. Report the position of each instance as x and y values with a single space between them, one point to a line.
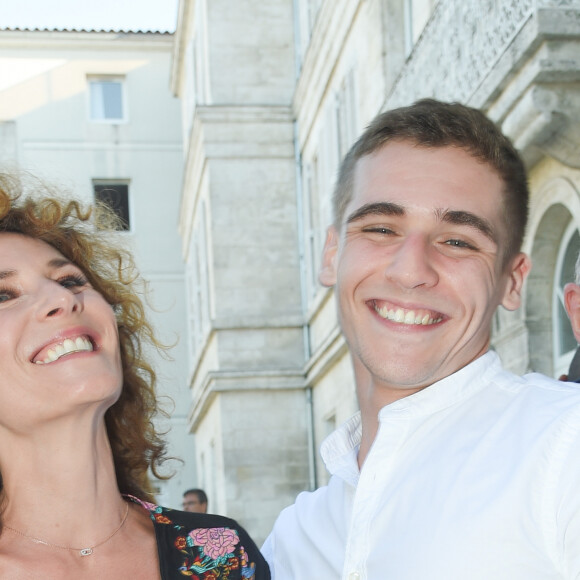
154 15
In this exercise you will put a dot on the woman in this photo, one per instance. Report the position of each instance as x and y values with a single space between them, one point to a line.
77 401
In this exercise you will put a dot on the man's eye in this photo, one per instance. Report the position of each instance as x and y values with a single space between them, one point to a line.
379 230
72 281
460 244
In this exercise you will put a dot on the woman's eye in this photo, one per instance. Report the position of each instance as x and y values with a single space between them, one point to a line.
6 295
72 281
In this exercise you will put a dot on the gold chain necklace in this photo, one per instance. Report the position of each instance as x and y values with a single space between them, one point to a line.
82 551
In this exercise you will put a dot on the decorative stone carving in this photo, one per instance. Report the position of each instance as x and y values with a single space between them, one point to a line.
460 45
515 58
558 4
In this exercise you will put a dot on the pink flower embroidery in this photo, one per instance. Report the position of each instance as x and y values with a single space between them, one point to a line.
148 505
215 542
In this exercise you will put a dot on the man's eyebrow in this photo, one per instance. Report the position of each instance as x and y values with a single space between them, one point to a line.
7 274
379 208
457 217
466 218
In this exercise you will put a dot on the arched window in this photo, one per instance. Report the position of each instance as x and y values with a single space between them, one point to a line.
564 341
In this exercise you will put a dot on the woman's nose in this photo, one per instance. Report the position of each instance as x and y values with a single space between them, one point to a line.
57 300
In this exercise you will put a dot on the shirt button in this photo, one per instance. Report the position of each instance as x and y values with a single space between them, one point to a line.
354 576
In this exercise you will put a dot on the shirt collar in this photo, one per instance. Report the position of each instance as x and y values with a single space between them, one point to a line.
456 387
340 449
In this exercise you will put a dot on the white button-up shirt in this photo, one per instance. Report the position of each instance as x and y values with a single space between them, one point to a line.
476 477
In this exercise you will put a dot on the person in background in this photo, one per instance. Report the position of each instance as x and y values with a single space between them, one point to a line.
454 468
77 409
195 500
572 305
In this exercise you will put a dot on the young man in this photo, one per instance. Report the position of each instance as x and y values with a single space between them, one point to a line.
454 468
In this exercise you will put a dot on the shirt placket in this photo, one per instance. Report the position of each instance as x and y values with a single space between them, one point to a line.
374 478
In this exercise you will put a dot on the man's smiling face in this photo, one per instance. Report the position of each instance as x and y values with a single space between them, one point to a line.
419 264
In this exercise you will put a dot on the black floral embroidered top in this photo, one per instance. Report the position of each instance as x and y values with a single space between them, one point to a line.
203 547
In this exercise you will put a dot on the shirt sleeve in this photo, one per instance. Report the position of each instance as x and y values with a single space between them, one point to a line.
268 553
566 479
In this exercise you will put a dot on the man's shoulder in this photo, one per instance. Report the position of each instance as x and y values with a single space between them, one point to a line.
306 501
537 397
542 387
492 371
313 508
312 527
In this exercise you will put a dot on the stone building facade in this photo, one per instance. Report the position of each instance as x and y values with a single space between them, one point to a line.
88 110
273 94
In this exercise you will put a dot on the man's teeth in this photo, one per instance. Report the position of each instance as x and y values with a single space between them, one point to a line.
406 317
66 347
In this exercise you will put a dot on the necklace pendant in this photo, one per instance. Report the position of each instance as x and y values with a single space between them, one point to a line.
86 552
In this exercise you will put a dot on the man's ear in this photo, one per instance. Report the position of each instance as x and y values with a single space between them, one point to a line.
327 273
518 269
572 304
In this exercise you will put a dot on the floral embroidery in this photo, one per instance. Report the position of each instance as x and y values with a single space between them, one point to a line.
248 568
161 519
210 551
206 553
215 542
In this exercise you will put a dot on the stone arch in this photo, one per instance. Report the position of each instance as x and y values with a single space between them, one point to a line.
557 203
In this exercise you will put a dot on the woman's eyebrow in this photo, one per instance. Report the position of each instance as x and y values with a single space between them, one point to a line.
59 263
55 264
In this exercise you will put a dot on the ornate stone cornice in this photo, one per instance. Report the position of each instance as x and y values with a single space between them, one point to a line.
544 121
519 60
11 39
216 382
460 45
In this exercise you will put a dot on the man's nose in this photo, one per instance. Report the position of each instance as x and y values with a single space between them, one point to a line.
411 264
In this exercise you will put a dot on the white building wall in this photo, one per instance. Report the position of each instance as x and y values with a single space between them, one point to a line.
234 71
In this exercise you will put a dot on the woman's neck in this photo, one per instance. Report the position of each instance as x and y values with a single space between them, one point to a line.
59 480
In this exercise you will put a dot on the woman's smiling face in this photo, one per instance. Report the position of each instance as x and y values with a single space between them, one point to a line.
59 344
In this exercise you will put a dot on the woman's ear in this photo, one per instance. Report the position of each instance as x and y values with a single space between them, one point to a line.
518 270
327 273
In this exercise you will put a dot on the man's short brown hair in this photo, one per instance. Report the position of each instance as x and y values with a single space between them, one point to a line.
430 123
